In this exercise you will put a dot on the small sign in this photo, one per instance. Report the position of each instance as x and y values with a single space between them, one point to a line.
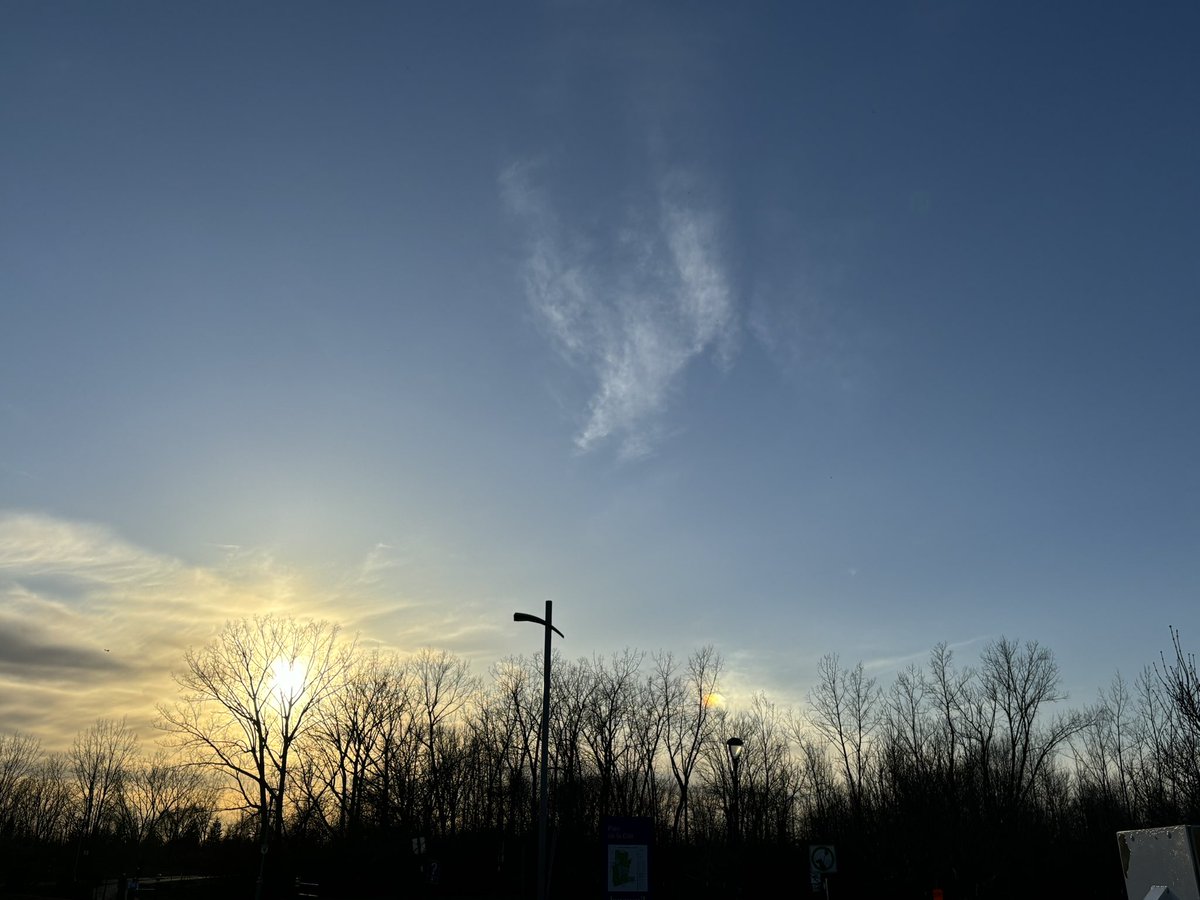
822 859
627 857
628 868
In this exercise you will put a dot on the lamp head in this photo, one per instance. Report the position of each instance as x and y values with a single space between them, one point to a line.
734 745
538 620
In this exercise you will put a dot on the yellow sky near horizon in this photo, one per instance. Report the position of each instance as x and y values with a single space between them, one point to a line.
91 625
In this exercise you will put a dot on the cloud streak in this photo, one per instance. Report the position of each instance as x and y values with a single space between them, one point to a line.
632 307
93 625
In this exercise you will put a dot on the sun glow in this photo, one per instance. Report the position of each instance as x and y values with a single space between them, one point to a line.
287 680
714 700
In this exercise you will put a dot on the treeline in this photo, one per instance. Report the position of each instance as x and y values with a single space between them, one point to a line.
297 752
68 818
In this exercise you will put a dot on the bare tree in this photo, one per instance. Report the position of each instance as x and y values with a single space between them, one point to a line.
46 801
158 792
1179 686
687 701
99 756
770 777
347 746
248 698
1019 681
517 713
1118 702
906 723
949 689
574 690
646 727
501 739
1102 749
844 709
443 684
606 726
19 755
820 796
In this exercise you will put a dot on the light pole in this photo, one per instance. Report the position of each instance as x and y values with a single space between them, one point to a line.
734 746
545 738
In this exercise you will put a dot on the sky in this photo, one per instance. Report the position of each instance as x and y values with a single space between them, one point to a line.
791 328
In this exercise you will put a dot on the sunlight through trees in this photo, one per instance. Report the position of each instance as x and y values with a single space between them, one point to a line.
248 698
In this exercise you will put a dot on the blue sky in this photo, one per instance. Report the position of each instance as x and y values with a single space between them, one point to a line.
792 328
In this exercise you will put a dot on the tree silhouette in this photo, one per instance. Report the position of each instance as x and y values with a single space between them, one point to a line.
99 757
844 709
248 698
687 701
351 754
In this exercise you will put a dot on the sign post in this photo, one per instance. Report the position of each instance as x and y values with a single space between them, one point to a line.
822 862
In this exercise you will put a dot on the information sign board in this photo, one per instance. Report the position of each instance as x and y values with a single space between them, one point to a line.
627 857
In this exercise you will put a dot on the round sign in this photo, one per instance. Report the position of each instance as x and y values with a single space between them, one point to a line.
822 859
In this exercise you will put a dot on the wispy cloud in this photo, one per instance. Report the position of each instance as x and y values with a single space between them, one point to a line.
632 307
897 662
92 624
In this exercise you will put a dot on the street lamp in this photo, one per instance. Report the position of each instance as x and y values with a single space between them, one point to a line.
545 738
734 745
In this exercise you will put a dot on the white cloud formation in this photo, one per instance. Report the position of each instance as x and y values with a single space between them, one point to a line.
633 308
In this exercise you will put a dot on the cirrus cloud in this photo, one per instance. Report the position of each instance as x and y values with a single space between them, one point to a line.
633 308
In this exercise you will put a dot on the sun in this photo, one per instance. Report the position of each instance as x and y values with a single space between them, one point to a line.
714 700
288 680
